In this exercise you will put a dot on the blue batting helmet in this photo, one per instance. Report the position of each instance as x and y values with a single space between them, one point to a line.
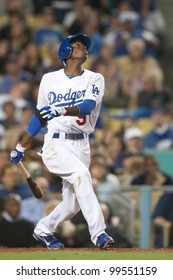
65 49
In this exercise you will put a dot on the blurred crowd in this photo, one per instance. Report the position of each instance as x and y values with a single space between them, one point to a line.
126 48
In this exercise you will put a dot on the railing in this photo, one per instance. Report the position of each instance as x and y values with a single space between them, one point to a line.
124 207
145 210
139 208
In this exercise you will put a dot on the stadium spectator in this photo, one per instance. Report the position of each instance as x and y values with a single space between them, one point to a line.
132 84
61 8
162 218
126 122
50 33
4 52
105 184
136 57
150 174
125 6
150 14
91 28
3 144
10 120
114 150
153 95
1 205
15 30
33 209
11 182
104 57
39 5
54 63
19 93
4 158
34 93
132 150
15 231
30 60
15 5
132 165
160 137
13 75
74 18
133 140
113 85
128 29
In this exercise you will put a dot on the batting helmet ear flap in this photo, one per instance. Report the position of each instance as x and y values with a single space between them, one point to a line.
65 50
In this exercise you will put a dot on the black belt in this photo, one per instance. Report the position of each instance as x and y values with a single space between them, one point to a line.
70 136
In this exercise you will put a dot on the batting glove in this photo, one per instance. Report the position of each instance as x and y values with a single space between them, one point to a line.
51 112
17 154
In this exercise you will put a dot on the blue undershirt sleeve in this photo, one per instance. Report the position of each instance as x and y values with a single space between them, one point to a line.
86 107
34 125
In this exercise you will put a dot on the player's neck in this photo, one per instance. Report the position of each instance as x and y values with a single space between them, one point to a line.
73 73
73 70
73 76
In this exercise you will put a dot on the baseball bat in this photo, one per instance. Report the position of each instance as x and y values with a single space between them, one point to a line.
37 192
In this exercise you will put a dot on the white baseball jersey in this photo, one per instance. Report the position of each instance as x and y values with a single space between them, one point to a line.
57 89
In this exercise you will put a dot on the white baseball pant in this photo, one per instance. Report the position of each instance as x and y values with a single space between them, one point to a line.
70 159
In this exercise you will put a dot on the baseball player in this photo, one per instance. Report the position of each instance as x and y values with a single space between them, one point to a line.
68 103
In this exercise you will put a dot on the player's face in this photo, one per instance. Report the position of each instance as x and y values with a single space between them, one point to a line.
79 50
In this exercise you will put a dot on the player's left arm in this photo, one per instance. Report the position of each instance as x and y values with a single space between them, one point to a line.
93 95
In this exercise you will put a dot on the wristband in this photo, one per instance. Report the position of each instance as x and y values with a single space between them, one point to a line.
20 148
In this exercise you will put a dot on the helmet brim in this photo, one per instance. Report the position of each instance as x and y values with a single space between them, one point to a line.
82 38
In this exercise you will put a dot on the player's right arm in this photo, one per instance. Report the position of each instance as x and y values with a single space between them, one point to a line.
35 124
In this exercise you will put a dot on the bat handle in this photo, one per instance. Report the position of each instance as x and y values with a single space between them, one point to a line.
25 172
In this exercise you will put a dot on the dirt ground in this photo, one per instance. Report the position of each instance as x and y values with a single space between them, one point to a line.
119 250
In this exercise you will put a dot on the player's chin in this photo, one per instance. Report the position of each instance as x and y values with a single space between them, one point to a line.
84 58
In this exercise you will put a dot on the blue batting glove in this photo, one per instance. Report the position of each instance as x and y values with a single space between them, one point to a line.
45 112
17 154
51 112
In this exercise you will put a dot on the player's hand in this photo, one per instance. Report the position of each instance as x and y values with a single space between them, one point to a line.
50 112
17 154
